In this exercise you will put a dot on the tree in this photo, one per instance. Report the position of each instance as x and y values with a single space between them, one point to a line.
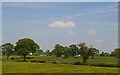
74 49
25 46
38 52
47 53
112 54
94 52
67 52
117 52
7 49
58 50
84 52
104 54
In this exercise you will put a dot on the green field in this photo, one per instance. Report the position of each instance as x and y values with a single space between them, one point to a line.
65 66
97 60
28 67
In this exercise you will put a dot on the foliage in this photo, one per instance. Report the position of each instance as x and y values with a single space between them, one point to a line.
74 49
104 54
38 52
7 49
47 53
112 53
106 65
94 52
58 50
117 52
77 63
84 52
67 52
25 46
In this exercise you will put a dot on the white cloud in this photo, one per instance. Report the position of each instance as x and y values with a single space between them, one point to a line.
62 24
91 33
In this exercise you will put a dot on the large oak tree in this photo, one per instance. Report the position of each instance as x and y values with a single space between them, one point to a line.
25 46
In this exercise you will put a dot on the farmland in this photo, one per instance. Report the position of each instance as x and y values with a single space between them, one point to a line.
65 65
60 37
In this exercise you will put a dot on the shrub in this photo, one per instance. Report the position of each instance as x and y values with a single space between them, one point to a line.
12 58
42 61
78 63
75 56
29 57
56 62
38 61
106 65
36 54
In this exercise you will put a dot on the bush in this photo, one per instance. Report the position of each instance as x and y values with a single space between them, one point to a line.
42 61
36 54
56 62
106 65
38 61
12 58
75 57
29 57
65 63
78 63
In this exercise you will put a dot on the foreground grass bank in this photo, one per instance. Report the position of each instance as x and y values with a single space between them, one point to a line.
30 67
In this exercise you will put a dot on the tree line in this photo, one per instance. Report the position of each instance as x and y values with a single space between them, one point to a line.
26 46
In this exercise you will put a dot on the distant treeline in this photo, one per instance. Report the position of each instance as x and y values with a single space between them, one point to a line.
27 46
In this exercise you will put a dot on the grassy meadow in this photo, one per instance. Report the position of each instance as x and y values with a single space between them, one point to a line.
65 65
28 67
70 60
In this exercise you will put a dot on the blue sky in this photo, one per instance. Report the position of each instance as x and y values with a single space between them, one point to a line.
63 23
59 0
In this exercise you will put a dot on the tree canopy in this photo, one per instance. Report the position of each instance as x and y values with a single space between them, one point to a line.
117 52
94 52
74 49
85 52
58 50
7 49
25 46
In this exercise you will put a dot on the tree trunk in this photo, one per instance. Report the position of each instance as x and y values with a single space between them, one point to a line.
7 56
24 56
93 57
84 61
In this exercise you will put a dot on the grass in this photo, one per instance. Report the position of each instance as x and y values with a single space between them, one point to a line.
12 66
97 60
30 67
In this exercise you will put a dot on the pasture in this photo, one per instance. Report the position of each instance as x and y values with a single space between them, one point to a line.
65 65
30 67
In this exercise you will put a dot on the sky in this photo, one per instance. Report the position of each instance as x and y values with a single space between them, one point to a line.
66 23
59 0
